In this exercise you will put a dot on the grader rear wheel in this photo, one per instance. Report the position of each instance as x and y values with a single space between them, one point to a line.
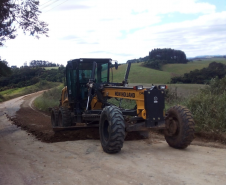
112 129
180 127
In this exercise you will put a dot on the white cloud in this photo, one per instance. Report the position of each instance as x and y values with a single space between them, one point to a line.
120 30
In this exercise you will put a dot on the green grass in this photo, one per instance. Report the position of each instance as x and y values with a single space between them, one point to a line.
208 107
16 92
180 69
48 99
49 68
140 74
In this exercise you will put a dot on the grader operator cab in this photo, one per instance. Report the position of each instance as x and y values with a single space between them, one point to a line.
84 103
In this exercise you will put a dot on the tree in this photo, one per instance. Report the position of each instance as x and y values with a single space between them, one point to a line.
4 69
20 14
168 55
159 57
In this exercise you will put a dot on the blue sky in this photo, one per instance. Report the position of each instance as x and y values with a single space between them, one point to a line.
122 30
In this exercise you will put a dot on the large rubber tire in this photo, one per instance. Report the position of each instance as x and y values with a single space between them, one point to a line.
112 129
184 133
54 116
64 119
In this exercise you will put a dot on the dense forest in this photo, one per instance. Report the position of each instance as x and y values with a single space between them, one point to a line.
202 76
159 57
22 77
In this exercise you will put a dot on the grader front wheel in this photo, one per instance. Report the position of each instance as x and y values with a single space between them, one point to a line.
64 118
180 126
112 129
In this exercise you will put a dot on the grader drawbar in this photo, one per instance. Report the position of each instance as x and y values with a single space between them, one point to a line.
84 103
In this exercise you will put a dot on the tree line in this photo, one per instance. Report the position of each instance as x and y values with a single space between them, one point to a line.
43 63
22 77
144 59
202 76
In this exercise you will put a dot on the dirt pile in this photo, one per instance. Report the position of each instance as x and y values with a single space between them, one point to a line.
39 125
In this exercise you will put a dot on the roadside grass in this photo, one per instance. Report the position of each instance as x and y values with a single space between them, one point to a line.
48 99
180 69
16 92
208 107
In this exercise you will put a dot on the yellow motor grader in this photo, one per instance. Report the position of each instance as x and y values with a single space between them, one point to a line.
84 103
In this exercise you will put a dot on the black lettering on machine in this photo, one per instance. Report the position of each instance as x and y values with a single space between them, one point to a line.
125 94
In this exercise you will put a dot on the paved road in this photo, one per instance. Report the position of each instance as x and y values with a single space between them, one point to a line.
25 160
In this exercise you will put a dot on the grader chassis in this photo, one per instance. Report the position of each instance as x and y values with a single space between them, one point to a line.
84 103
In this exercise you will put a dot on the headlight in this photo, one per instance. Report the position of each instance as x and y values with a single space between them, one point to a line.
138 87
161 87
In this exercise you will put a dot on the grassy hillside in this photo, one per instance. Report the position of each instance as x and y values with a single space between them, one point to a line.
140 74
180 69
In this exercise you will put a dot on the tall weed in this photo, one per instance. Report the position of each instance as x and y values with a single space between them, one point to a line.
209 107
48 99
172 98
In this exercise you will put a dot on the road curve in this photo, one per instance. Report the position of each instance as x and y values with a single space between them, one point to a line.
25 160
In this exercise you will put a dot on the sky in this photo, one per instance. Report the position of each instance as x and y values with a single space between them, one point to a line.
121 30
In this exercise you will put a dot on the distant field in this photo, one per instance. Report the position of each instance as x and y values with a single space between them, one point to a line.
141 74
49 68
180 69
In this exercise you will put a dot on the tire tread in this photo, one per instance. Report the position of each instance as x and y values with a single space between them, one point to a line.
117 127
187 128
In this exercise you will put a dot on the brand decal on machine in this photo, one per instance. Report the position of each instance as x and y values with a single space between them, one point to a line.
125 94
155 99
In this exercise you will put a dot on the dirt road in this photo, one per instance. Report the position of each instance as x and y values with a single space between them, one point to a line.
24 159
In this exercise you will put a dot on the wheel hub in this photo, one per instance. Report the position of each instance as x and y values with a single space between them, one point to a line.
171 126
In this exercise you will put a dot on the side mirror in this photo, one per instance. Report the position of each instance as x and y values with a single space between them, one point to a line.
116 65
